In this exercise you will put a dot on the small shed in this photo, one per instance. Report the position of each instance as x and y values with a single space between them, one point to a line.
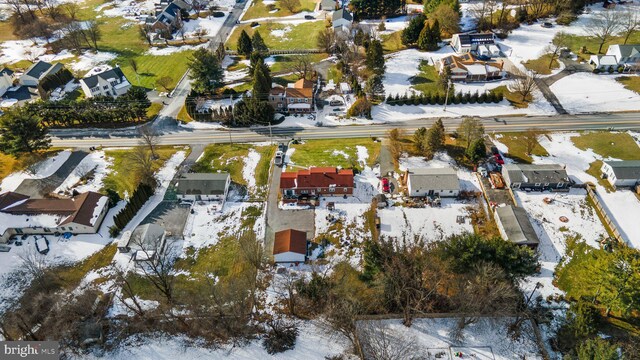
290 246
621 173
514 225
147 241
123 243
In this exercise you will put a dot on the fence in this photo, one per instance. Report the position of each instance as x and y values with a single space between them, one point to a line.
593 195
285 52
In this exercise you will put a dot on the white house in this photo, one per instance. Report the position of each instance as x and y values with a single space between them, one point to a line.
6 80
290 246
38 71
441 182
203 186
627 56
341 19
621 173
81 214
111 82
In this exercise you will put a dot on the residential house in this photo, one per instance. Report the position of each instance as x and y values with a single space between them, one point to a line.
304 186
169 18
626 56
341 19
514 225
80 214
442 182
329 6
295 98
468 68
147 241
110 82
203 186
464 43
38 71
290 246
621 173
540 177
6 80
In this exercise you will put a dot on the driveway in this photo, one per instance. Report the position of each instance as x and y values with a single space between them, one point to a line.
39 188
277 219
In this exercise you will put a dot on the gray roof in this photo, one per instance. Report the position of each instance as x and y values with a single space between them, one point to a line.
477 38
328 4
629 50
434 178
36 70
6 71
202 183
147 237
114 73
629 169
341 14
516 225
536 173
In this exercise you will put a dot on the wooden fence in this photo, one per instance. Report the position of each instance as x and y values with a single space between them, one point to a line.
593 195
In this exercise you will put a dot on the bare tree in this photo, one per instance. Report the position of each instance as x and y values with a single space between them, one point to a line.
395 143
629 24
560 41
182 32
16 6
326 40
71 9
604 25
341 317
126 291
470 130
302 65
379 343
35 264
93 33
158 270
291 5
252 249
286 289
201 33
142 164
523 83
145 32
149 138
482 12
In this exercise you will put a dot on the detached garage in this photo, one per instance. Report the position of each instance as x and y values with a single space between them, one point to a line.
290 246
514 225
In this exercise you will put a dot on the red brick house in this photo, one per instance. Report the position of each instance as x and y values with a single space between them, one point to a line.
296 98
305 186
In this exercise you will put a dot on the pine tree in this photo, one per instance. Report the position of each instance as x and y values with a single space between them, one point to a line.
244 44
423 39
435 137
206 72
411 33
258 43
22 132
419 138
374 86
435 35
375 57
261 81
476 151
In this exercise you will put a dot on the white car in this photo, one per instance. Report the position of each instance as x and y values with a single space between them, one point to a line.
279 158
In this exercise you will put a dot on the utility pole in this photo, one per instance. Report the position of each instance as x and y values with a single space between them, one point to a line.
270 134
446 98
230 139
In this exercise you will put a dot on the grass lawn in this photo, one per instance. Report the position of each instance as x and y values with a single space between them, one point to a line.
121 178
427 80
183 115
630 82
259 10
608 144
541 64
393 42
518 148
153 110
286 62
236 64
71 275
514 98
594 170
301 36
575 43
334 74
6 31
10 164
323 152
230 158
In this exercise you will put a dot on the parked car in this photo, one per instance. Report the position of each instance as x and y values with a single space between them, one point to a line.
499 159
309 17
279 158
385 185
335 103
281 147
494 150
483 57
547 24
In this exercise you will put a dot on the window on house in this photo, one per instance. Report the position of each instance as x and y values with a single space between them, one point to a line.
345 189
303 191
332 189
537 184
106 87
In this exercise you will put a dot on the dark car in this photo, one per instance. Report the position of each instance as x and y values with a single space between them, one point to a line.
483 57
499 159
547 25
281 147
494 150
309 17
385 185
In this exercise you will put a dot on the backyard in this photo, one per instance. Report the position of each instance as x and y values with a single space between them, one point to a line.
335 152
301 36
427 80
518 147
259 10
541 64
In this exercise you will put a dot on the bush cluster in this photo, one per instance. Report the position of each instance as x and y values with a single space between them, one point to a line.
140 196
439 98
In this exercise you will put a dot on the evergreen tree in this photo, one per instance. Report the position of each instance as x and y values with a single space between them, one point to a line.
258 43
411 33
419 139
598 349
206 72
435 34
244 44
477 151
22 132
375 57
424 38
261 81
374 86
436 137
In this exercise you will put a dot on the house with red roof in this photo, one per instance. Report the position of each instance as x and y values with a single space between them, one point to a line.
305 186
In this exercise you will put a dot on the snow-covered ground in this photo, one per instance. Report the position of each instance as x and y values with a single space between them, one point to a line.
97 162
173 49
587 92
249 169
89 60
405 64
487 339
40 170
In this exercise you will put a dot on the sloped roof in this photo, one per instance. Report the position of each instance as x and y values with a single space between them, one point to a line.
36 70
626 50
202 183
434 178
341 14
328 5
303 84
317 177
147 236
517 226
536 173
629 169
305 93
11 198
115 73
290 241
6 71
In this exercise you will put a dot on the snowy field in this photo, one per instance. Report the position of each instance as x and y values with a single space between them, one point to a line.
488 339
603 93
95 162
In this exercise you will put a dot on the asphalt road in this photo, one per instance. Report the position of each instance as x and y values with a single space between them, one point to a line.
180 136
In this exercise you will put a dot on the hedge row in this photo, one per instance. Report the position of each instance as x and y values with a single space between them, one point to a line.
439 99
140 196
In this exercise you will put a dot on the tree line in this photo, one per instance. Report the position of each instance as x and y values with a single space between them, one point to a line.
140 196
439 98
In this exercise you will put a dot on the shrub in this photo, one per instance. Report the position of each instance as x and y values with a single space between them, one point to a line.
610 70
596 71
620 69
416 99
426 98
281 337
390 100
361 107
